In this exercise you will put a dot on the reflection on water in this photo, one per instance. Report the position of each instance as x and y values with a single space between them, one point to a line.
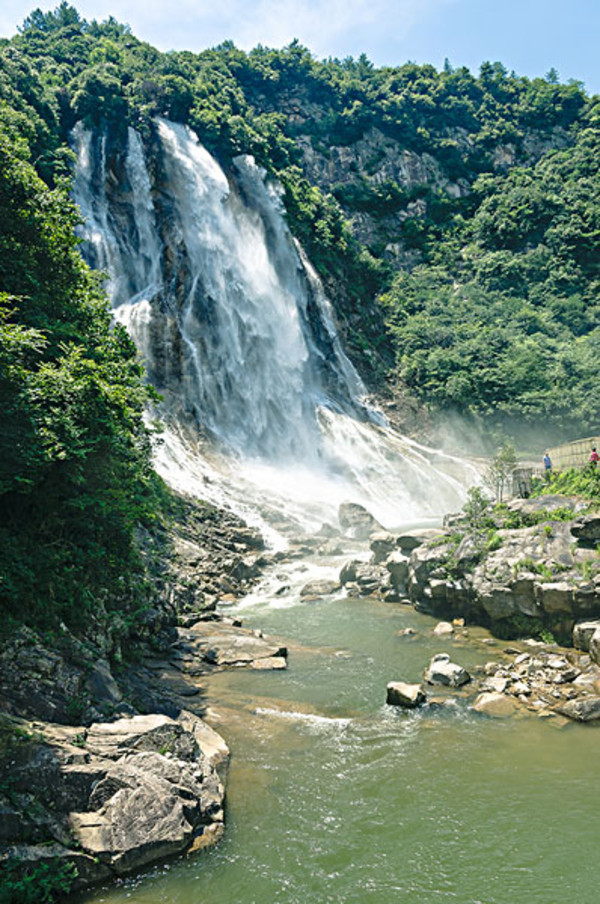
335 797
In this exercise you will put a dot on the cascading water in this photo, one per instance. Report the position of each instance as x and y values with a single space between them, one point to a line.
262 409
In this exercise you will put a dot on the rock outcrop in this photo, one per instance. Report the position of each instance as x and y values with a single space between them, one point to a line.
112 797
541 575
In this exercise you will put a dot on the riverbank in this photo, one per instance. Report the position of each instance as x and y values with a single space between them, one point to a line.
108 738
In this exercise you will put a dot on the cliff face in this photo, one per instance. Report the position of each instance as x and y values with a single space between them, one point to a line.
398 183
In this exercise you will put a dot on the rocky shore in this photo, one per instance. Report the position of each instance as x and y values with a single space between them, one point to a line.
527 570
106 762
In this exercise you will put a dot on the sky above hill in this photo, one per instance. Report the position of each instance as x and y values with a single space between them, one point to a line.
528 36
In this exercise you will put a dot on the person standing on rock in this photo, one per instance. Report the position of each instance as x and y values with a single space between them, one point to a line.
547 465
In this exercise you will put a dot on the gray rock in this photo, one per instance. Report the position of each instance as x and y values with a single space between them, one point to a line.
594 647
495 704
409 696
495 684
381 545
356 522
442 671
141 733
555 596
316 589
408 542
212 746
348 572
587 528
397 565
583 709
369 579
496 599
102 685
226 645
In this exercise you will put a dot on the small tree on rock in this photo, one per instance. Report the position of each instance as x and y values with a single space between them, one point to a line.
497 475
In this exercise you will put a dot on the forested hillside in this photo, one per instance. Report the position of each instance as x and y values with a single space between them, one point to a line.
75 474
470 203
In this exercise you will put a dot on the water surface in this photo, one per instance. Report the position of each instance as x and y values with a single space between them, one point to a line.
335 797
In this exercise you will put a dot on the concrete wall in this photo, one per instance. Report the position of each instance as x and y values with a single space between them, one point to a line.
573 455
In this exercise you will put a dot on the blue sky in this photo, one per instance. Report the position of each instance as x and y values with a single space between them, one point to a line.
529 36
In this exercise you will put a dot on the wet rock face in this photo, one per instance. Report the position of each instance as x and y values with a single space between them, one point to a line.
125 793
356 522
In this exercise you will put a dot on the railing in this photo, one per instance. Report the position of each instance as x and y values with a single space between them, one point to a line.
573 455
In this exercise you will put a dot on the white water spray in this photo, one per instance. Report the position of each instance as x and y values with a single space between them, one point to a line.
263 409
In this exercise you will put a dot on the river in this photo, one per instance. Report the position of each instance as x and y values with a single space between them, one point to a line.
335 797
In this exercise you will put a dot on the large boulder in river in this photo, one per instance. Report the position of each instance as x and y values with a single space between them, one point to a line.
408 696
582 709
317 589
356 522
495 704
442 671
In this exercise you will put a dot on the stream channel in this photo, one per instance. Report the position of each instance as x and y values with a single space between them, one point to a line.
333 796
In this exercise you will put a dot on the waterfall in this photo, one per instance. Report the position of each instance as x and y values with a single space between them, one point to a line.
262 409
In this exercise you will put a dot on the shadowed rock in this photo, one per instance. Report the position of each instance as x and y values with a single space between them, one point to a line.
442 671
408 696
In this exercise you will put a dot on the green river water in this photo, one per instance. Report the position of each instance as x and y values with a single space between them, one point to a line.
335 797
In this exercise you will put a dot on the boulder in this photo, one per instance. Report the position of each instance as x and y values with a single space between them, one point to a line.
314 590
141 733
582 709
409 696
101 684
369 579
495 704
382 544
495 684
587 529
442 671
408 542
583 632
594 647
555 596
356 522
397 565
443 629
224 645
348 572
496 599
131 792
212 746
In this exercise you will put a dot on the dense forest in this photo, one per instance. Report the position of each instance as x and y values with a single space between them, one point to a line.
454 218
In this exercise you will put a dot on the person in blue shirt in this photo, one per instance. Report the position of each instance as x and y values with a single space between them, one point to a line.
547 465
